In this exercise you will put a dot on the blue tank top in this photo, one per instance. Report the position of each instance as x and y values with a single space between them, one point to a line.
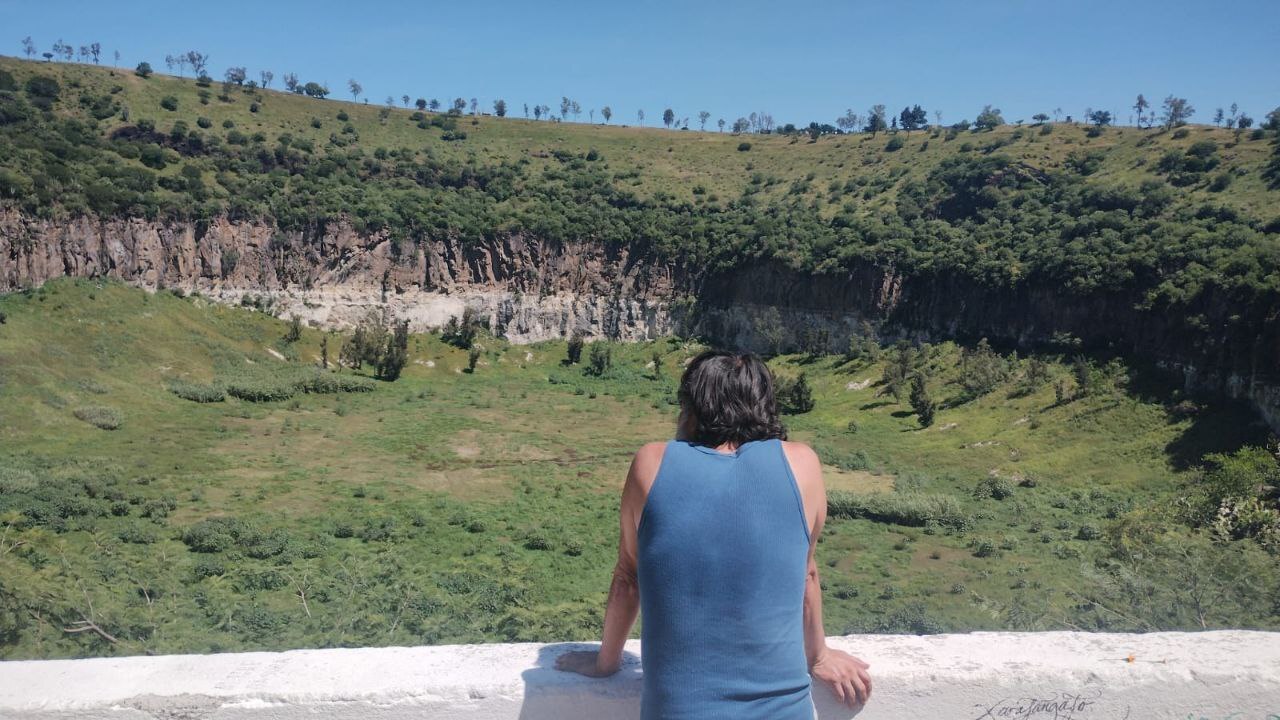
723 548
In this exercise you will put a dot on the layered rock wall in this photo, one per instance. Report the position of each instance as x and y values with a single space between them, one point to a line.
530 289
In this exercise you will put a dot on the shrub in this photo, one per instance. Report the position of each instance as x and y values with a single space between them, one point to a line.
42 91
600 359
984 548
196 392
984 369
995 488
204 122
1088 532
208 567
211 536
342 116
328 383
856 460
895 144
137 534
169 102
143 70
461 332
536 541
260 390
380 530
794 396
153 157
106 418
912 619
573 353
909 509
744 146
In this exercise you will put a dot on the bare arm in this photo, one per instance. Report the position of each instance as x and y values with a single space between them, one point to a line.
815 636
624 591
845 674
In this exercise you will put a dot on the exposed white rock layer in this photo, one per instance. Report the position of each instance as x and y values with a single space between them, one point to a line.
982 676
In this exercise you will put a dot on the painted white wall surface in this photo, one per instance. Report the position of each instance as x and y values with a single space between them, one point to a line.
1228 675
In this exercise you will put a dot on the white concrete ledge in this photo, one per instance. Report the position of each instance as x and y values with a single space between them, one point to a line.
1231 675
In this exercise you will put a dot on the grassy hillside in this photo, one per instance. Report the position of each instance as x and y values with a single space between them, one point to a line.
650 160
1054 203
444 507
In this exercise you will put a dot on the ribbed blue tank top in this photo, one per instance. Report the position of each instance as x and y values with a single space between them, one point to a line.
723 554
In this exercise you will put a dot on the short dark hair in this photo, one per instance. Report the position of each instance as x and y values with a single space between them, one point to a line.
729 398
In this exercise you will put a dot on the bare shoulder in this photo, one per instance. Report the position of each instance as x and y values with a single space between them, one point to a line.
805 464
644 468
801 456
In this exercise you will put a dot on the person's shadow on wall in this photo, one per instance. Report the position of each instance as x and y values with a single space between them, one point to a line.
551 694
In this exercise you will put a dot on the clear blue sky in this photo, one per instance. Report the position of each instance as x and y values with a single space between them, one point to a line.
797 61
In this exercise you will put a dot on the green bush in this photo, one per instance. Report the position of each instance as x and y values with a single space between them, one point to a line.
984 548
599 360
895 144
208 567
994 488
106 418
573 352
744 146
153 157
855 460
535 540
1088 532
909 509
211 536
196 392
137 534
328 383
169 102
793 395
260 390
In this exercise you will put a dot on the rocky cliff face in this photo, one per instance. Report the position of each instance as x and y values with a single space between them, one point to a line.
531 289
1230 348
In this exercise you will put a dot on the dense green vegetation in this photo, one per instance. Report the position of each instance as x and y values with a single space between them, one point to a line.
1063 206
314 507
180 476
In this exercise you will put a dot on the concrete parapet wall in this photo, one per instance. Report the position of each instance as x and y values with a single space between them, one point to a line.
1228 675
